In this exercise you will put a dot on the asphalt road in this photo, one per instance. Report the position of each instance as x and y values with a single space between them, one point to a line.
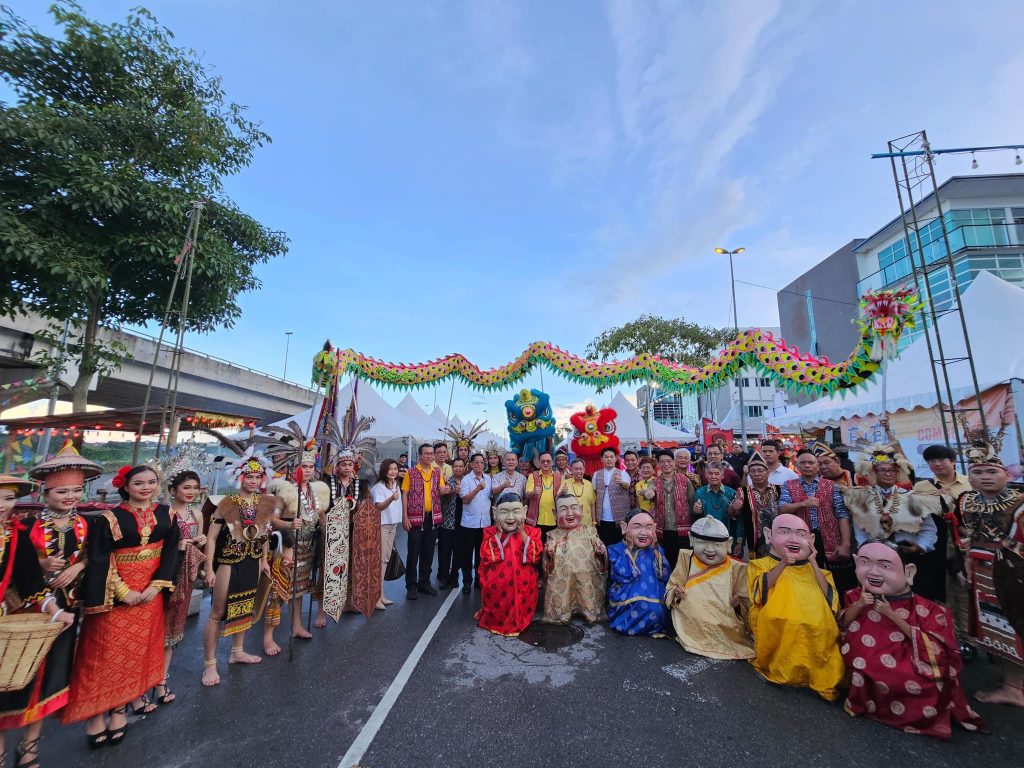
477 699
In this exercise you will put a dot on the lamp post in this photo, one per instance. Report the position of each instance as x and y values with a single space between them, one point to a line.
287 343
736 327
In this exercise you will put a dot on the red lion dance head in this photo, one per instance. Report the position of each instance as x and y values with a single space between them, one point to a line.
593 430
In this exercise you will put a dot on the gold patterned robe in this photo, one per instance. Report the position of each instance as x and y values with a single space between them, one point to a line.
575 575
705 620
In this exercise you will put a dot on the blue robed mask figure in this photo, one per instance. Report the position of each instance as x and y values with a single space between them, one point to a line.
531 424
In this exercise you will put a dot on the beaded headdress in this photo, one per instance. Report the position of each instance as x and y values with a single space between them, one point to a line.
464 437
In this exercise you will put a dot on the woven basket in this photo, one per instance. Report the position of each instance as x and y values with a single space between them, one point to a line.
25 639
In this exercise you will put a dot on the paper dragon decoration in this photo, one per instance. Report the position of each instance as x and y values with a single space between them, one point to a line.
885 316
531 425
593 430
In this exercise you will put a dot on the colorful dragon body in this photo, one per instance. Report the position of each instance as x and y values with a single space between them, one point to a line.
885 316
531 426
593 430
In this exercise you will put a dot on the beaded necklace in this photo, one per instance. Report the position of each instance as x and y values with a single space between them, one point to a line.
145 519
349 497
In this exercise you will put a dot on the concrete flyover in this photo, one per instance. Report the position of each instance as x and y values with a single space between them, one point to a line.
206 383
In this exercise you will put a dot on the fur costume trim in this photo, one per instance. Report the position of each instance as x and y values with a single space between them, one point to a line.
881 518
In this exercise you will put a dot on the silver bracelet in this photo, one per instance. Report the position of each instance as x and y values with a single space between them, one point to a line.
56 615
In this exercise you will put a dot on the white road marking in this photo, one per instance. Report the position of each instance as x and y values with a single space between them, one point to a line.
383 709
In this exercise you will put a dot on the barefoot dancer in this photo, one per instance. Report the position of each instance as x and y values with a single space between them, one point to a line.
993 518
297 560
237 547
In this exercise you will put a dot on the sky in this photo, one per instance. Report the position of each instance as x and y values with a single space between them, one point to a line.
475 176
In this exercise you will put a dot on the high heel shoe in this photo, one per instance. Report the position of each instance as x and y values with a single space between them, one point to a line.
97 740
117 735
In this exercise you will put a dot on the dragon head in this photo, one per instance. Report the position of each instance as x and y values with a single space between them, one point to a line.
529 416
884 316
593 430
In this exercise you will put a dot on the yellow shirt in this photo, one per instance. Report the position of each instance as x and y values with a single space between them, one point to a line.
546 511
584 491
645 504
428 502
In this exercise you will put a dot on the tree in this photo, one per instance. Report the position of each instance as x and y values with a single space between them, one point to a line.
112 134
676 340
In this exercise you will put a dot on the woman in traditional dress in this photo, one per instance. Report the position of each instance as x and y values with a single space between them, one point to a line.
132 553
184 487
237 548
23 589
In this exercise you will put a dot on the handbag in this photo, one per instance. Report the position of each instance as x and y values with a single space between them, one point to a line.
395 568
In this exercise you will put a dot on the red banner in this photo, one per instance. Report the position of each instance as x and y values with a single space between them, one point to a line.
714 434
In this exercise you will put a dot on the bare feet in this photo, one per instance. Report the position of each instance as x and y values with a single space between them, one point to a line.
1003 695
241 657
301 633
321 620
210 675
270 647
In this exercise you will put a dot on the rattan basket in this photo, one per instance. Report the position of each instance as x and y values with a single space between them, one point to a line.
25 639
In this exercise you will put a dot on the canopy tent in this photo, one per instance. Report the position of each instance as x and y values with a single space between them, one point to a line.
426 428
632 429
388 424
989 304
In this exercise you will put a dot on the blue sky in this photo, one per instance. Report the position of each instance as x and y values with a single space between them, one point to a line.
475 176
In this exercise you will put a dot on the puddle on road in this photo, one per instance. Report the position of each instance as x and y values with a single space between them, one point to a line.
486 656
551 637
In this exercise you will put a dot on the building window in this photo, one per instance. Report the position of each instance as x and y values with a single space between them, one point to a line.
754 411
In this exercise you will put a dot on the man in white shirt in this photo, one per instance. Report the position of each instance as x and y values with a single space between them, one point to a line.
777 473
509 479
475 491
611 487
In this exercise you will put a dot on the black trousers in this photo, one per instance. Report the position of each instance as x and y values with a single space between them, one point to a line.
419 555
672 542
447 561
609 533
467 553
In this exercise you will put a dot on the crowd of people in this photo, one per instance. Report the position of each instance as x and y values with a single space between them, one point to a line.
821 575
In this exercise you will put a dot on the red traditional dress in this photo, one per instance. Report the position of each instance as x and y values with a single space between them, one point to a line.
508 580
121 648
910 683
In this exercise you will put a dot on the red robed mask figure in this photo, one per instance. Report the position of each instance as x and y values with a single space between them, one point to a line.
881 571
593 431
568 513
509 513
789 536
639 531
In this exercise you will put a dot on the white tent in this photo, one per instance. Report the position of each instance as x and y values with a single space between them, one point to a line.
990 303
389 424
426 427
632 429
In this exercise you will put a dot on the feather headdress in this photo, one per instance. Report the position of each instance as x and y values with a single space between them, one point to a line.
883 453
249 461
464 437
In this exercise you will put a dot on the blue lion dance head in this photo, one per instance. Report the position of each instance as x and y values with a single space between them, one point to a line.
531 425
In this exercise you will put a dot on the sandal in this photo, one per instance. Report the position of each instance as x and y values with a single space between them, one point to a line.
147 707
26 749
168 695
117 736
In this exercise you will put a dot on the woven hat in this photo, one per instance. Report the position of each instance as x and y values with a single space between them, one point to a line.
757 459
819 449
68 467
19 485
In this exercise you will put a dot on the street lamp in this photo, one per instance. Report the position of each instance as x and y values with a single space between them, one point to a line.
736 327
287 343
